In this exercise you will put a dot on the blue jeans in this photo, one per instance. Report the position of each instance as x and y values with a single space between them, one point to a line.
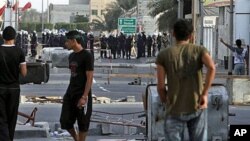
239 69
196 124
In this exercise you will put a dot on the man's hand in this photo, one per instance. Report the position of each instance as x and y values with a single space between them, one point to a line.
163 98
203 102
82 101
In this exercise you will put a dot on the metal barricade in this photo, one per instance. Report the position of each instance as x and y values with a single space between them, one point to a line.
217 114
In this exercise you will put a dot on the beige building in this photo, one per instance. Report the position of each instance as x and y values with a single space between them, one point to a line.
97 8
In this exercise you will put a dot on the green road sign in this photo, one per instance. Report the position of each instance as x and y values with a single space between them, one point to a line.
127 25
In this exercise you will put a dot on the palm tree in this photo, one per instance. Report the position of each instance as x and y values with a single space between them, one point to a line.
99 24
166 11
126 5
113 11
111 17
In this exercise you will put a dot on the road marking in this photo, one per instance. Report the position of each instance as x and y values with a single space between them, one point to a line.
102 88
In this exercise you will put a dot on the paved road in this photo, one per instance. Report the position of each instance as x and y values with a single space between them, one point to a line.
117 88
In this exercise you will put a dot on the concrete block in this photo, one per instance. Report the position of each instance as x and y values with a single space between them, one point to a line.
246 98
102 100
130 98
24 131
23 99
238 89
106 129
42 125
57 127
128 130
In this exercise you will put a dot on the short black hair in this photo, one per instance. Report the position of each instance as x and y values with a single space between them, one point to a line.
74 34
9 33
183 29
238 42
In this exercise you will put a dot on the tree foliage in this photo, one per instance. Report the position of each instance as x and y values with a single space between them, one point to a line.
71 26
167 12
111 17
37 26
127 4
99 25
30 15
113 11
81 19
34 26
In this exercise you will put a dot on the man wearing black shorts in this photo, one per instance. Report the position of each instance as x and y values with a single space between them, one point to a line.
77 102
12 62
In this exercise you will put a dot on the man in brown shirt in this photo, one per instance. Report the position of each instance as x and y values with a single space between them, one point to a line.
186 98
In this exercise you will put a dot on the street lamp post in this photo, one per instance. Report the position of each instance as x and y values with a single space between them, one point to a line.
42 17
201 20
180 9
230 60
16 14
48 11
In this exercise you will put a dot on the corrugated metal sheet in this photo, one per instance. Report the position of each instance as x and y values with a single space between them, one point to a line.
209 40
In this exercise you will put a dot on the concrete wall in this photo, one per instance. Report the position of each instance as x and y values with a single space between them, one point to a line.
73 2
223 31
238 89
62 13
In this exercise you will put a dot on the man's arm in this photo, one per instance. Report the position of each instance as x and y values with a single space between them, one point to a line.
161 88
209 63
23 69
83 100
88 83
227 45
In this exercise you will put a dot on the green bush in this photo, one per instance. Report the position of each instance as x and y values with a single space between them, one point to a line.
34 26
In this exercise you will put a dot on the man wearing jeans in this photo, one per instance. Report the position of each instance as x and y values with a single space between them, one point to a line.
187 97
240 56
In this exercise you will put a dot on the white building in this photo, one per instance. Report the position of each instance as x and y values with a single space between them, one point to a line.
145 22
242 21
81 2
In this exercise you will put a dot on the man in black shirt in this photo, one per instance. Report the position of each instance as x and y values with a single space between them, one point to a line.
12 62
77 102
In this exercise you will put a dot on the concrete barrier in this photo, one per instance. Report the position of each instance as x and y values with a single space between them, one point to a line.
37 72
57 55
239 90
25 131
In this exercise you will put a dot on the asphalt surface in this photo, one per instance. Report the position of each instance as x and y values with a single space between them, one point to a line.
117 89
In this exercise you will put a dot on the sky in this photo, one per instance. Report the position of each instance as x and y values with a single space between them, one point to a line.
37 4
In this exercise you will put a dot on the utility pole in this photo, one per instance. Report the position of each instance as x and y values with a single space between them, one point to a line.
230 60
42 17
16 14
48 11
8 21
180 9
194 18
201 21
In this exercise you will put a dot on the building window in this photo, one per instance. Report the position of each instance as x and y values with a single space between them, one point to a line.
102 12
94 12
